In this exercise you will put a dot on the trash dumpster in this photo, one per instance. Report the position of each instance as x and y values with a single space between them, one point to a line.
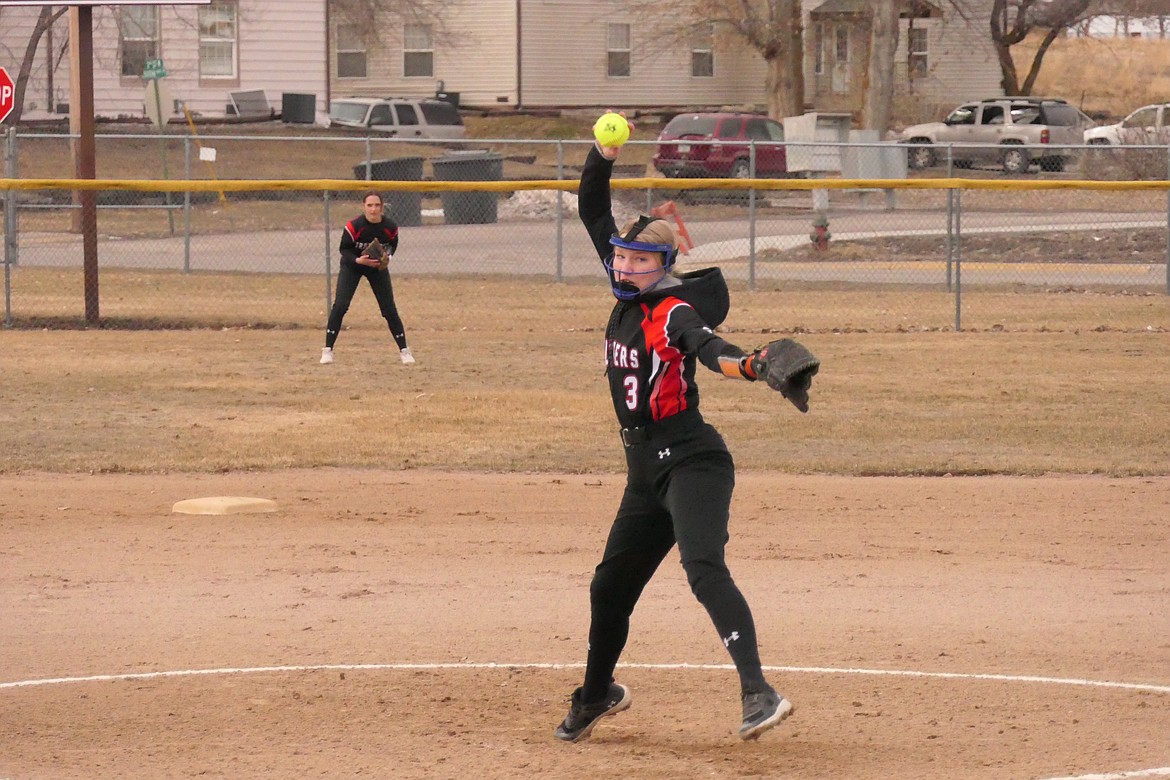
405 208
469 208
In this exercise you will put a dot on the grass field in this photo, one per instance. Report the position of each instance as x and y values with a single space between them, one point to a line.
518 386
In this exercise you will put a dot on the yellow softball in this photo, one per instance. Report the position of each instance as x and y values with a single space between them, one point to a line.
611 129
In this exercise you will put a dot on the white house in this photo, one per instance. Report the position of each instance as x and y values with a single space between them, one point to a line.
942 58
1126 27
496 53
208 52
591 53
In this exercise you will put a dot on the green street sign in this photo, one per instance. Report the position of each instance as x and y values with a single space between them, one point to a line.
153 70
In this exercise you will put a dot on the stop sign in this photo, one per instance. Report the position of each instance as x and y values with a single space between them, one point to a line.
7 94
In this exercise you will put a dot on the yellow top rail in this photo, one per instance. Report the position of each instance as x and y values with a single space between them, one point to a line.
570 185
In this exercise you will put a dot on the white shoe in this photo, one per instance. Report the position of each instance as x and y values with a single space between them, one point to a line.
407 358
327 354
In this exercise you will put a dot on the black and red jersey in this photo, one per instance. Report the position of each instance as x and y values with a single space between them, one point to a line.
652 343
359 232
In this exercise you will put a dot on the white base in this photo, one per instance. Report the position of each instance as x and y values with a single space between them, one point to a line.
223 505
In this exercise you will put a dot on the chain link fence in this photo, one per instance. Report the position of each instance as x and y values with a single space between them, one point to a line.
489 225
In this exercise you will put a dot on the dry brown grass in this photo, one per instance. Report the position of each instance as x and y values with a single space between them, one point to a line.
1109 75
509 379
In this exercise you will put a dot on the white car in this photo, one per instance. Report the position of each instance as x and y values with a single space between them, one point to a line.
398 117
1147 125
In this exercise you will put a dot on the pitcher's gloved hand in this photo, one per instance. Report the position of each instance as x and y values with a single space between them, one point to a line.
788 367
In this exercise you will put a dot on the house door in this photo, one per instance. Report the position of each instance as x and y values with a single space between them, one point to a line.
841 70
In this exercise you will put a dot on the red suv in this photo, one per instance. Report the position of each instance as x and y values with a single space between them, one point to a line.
717 145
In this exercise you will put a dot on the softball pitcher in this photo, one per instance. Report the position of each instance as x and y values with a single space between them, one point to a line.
680 474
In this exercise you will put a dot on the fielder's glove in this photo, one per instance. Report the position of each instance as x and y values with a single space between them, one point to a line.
375 251
788 367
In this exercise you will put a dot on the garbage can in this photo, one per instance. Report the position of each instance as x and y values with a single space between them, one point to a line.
405 208
469 208
297 108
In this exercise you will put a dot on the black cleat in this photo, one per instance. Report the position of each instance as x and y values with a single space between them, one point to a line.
762 711
583 717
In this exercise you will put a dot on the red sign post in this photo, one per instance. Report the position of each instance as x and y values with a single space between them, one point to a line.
7 94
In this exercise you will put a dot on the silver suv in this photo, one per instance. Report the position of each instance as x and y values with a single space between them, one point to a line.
1010 131
398 117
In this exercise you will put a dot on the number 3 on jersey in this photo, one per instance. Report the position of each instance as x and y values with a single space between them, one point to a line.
631 384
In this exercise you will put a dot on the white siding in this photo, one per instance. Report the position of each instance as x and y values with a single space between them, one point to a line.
477 59
963 65
564 53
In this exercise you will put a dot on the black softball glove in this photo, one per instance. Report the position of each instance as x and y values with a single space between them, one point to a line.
788 367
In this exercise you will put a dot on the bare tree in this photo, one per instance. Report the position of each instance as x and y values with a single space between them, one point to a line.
880 76
1156 11
45 19
389 16
879 82
1012 21
774 28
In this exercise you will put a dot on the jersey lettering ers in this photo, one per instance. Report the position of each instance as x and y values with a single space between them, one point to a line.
618 355
650 377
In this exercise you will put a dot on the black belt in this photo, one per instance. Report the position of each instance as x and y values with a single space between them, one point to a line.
659 428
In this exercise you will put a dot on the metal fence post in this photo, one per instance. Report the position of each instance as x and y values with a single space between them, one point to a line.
369 159
1168 223
950 235
9 224
11 246
752 217
951 215
187 205
560 260
328 260
958 260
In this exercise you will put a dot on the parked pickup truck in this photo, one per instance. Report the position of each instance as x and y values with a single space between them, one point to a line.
1147 125
1014 132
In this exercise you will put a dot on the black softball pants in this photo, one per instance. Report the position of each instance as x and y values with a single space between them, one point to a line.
348 278
678 490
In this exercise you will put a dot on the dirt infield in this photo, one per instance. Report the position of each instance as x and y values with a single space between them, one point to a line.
456 598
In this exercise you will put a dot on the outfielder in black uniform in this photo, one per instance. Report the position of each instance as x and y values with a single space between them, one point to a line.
357 263
680 474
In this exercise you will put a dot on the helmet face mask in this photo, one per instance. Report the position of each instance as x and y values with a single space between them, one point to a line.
624 289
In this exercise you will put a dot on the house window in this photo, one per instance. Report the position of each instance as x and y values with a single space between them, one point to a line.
703 53
418 51
917 62
351 52
618 50
842 44
138 34
217 41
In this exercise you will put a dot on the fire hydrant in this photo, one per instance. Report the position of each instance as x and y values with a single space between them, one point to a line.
820 234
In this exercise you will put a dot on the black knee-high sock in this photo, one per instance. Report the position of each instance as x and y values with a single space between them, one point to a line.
732 617
607 639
